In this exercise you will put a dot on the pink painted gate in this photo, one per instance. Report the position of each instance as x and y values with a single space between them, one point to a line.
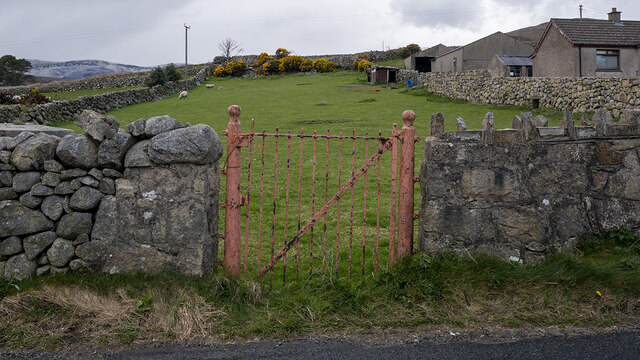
276 215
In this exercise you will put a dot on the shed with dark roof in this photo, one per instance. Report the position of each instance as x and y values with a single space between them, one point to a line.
589 47
511 66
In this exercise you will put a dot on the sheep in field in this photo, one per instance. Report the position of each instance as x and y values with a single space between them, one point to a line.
210 86
183 95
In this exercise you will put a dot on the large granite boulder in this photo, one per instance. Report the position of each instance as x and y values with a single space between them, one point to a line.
86 198
24 181
53 207
162 219
160 124
112 151
96 125
74 224
198 144
138 155
61 252
34 151
19 268
17 219
34 245
11 246
78 151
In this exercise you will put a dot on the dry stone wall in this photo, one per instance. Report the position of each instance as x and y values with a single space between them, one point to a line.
106 81
96 82
579 94
522 193
141 200
66 110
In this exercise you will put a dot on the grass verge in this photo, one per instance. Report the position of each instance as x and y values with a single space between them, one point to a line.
597 286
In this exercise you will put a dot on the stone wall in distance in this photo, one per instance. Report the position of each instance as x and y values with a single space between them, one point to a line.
578 94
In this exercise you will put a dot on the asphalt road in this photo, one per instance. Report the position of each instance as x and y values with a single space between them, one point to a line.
618 345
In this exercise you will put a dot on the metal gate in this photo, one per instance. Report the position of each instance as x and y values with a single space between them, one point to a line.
295 214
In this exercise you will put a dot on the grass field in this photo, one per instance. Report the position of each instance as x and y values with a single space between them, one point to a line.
341 101
338 102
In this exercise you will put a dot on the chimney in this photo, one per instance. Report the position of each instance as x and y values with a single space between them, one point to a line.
614 16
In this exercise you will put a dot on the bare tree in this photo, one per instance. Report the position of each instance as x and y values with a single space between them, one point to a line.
229 48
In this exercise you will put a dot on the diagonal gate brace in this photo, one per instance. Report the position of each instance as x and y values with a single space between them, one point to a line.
386 146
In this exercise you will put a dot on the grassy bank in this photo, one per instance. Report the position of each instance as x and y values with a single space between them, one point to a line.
597 286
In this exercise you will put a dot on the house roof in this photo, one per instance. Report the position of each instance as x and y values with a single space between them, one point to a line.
496 34
434 51
599 32
595 32
515 60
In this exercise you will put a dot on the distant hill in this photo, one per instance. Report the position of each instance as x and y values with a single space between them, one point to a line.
530 35
79 69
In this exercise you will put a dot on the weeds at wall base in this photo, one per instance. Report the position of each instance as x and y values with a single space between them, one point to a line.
585 289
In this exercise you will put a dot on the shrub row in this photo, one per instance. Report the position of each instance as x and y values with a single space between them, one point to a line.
283 62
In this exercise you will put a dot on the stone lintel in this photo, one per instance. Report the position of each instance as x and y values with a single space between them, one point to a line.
466 135
621 130
552 133
586 132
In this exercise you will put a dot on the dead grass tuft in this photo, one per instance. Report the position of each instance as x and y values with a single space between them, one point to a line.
184 315
77 300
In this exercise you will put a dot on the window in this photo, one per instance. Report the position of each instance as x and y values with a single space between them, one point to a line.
608 59
529 71
514 71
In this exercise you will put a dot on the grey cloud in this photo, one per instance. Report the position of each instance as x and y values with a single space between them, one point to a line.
455 13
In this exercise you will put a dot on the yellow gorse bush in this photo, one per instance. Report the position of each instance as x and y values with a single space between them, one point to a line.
363 65
262 58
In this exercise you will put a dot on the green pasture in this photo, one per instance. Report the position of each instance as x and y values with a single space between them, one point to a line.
322 103
340 101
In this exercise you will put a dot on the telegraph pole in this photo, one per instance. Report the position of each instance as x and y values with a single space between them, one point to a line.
580 11
186 29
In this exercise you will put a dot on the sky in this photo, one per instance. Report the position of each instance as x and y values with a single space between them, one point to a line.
152 32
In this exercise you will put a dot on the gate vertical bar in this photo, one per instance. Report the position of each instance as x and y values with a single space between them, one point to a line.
313 200
392 203
338 206
273 216
326 198
378 206
232 226
247 212
364 204
286 211
299 204
405 198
